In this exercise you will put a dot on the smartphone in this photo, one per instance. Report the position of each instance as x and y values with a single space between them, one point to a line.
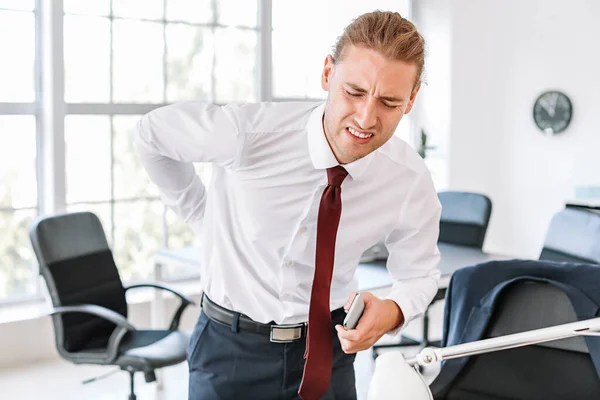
354 312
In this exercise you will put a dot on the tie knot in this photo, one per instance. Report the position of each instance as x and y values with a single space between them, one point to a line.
336 175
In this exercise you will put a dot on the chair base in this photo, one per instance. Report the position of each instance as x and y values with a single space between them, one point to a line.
131 385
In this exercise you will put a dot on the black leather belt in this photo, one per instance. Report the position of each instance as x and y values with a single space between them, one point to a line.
277 333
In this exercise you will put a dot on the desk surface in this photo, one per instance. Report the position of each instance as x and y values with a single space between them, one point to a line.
371 275
374 275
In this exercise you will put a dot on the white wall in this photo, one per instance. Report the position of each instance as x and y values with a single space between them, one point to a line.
432 109
504 53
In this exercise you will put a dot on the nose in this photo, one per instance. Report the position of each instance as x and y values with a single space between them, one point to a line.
366 115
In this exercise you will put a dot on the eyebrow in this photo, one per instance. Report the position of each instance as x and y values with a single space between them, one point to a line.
385 98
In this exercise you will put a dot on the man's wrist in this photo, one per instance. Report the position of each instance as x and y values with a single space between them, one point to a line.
396 314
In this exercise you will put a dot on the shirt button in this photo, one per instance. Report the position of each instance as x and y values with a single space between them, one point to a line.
303 229
288 263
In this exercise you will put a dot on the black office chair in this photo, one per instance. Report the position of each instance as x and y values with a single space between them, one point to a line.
90 307
465 218
558 370
464 222
574 236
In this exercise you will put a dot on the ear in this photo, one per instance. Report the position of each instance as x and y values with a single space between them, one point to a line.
327 72
413 97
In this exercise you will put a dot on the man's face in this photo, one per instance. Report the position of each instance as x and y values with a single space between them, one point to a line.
368 95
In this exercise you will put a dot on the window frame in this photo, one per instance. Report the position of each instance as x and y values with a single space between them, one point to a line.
31 109
50 110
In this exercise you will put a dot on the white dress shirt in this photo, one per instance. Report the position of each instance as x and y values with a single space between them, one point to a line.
257 221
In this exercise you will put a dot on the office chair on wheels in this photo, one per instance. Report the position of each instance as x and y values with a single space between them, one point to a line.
90 307
464 222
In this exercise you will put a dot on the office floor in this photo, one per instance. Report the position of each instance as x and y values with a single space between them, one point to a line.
58 380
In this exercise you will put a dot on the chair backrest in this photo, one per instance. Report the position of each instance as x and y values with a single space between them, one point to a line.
464 221
465 218
78 267
574 236
551 371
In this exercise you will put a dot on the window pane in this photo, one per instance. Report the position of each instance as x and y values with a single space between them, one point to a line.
142 9
87 148
17 44
235 65
138 236
87 62
101 210
18 270
297 67
18 178
90 7
18 4
334 15
180 235
138 61
237 13
129 177
189 62
198 11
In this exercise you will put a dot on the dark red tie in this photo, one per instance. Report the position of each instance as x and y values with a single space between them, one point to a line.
319 350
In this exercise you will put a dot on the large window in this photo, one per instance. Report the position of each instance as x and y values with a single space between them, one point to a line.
138 55
92 68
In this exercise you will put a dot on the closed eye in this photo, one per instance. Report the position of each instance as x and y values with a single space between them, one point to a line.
391 107
353 94
360 94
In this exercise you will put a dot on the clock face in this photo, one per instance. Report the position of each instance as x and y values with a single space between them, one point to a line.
552 112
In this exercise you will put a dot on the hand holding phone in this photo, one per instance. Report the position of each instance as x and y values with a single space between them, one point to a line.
354 312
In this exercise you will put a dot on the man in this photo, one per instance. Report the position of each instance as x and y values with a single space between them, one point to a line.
299 191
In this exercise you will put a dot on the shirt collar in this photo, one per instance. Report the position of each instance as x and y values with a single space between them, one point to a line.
320 152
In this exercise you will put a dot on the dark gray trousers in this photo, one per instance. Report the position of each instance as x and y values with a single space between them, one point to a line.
225 364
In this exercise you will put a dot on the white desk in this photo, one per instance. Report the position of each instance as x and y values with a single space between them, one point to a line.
371 275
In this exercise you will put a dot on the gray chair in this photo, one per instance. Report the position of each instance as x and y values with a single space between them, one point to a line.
573 236
555 370
90 307
464 222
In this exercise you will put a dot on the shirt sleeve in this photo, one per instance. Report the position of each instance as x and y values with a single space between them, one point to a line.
413 253
171 138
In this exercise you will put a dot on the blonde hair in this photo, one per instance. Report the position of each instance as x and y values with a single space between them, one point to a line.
395 37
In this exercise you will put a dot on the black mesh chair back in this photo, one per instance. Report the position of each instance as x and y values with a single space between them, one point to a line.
78 267
465 218
556 370
573 236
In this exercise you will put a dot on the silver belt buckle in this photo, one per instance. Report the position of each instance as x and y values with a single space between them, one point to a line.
286 333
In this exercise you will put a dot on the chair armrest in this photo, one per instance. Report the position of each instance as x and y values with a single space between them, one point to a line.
122 325
183 298
185 301
98 311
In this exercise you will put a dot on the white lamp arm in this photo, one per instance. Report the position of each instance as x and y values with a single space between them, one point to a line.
430 355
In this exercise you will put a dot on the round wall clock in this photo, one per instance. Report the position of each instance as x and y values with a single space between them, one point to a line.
552 112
